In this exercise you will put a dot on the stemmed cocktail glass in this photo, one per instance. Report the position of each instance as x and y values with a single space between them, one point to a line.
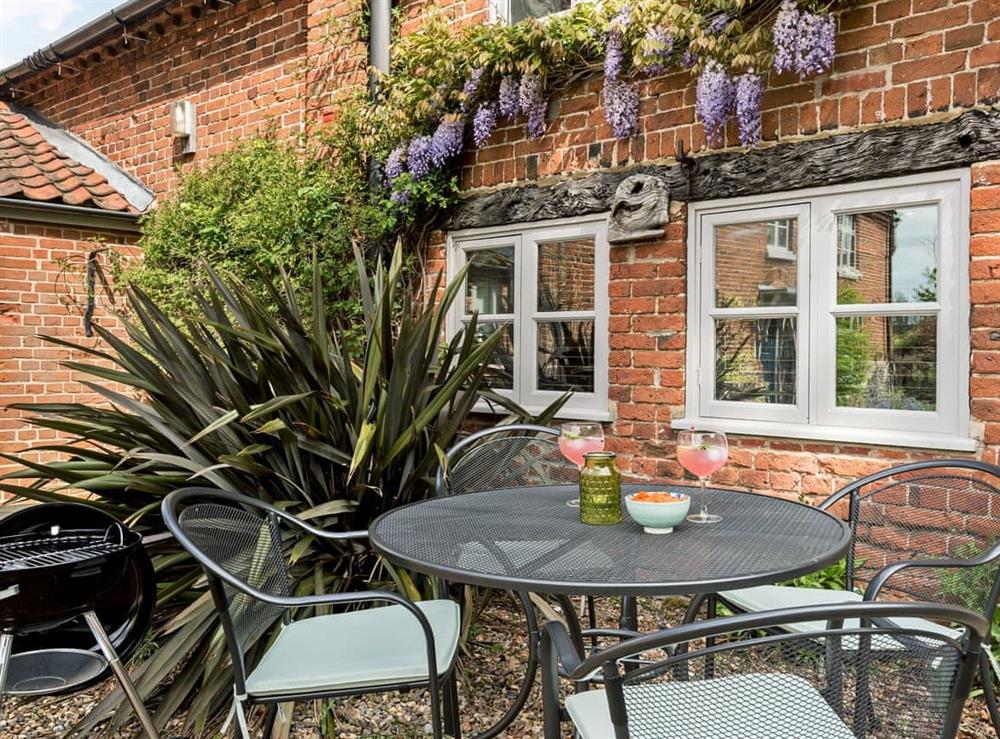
576 439
702 453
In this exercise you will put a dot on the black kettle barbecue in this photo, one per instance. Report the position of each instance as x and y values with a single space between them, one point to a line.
49 577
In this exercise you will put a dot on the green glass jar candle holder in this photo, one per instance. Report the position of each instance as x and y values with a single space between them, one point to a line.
600 490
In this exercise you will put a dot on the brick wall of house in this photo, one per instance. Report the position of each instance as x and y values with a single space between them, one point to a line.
43 292
898 61
243 66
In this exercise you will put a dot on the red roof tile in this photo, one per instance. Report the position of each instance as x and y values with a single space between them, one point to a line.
31 168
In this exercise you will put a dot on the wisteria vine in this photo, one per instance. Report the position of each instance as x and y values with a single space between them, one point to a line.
728 89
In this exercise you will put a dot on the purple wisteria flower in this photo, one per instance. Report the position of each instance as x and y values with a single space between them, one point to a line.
446 143
394 163
401 197
419 157
718 24
749 89
816 43
621 108
613 55
471 87
689 59
614 49
714 100
484 123
786 36
532 102
664 46
509 102
805 42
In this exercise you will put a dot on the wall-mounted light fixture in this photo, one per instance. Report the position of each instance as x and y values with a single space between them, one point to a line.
183 124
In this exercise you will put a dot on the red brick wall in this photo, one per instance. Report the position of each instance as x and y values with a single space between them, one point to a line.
897 60
42 291
243 67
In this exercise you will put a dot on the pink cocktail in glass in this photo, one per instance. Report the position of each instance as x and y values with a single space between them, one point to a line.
702 462
577 439
702 453
575 449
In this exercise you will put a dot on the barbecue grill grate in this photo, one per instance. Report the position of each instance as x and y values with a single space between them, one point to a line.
29 552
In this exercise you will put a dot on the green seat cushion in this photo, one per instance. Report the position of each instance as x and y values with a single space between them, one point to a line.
771 597
754 706
359 649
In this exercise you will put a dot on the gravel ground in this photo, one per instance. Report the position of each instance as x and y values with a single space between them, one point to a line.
497 650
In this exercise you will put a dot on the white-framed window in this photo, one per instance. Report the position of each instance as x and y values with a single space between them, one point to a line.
514 11
546 285
861 337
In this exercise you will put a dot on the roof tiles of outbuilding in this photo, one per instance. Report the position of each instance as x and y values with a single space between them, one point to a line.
33 169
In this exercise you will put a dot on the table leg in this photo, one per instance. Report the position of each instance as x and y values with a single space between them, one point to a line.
712 606
530 672
630 614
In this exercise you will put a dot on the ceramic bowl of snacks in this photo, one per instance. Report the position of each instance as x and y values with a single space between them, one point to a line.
657 511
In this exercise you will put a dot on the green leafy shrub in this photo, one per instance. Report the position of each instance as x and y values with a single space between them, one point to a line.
261 207
248 394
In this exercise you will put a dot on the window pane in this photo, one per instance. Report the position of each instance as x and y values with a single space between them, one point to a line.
566 355
889 256
755 360
566 275
756 263
887 362
521 9
489 287
500 369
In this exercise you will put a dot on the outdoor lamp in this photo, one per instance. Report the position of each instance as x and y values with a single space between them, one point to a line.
182 124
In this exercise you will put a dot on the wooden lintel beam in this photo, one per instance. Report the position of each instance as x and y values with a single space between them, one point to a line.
890 151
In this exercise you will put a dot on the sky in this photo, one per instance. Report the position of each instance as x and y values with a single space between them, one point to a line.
28 25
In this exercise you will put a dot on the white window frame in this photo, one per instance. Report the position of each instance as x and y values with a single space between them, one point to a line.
499 10
525 238
816 416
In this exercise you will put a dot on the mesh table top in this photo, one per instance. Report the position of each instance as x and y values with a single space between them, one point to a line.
528 539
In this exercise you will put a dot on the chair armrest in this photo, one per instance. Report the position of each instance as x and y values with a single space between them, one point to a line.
564 651
882 576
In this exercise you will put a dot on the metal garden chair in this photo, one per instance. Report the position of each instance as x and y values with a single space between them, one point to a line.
240 545
925 531
750 677
509 456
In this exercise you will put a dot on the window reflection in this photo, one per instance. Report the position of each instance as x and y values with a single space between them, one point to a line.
566 355
755 360
521 9
888 256
566 275
500 367
887 362
489 287
756 264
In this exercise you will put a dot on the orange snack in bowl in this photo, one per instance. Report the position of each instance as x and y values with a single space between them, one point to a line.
652 496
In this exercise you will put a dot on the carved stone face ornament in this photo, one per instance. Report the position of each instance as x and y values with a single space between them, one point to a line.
640 209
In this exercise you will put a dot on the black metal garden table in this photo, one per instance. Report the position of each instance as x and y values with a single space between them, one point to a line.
529 540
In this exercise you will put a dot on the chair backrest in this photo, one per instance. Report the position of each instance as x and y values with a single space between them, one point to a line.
863 675
240 536
511 456
934 510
